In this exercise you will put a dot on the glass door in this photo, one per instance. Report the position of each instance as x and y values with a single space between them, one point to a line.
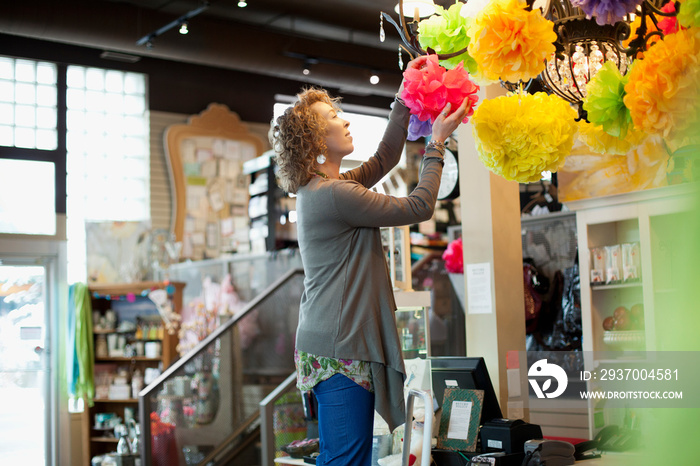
25 402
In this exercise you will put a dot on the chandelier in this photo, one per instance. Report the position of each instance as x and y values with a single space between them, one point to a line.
583 45
581 48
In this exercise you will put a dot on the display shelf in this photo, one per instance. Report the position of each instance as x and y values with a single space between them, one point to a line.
615 286
270 209
128 359
108 298
114 400
104 439
625 339
652 219
412 323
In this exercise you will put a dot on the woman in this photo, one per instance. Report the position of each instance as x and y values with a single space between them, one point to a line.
347 344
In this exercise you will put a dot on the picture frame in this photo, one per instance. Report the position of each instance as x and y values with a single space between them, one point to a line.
459 423
397 248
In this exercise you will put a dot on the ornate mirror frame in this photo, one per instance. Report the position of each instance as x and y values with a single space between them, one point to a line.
207 182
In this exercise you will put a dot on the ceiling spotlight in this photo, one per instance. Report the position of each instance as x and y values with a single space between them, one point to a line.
374 79
242 4
183 28
306 71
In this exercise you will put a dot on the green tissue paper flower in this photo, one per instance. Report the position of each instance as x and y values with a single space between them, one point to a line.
604 101
689 14
446 32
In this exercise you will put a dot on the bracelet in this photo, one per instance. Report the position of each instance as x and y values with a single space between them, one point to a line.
440 159
437 146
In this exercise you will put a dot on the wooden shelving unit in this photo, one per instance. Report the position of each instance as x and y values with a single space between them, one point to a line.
98 441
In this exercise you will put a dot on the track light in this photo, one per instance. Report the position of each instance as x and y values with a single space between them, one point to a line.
242 4
374 79
181 22
306 69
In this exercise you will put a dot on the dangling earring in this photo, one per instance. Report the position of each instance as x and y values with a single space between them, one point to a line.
321 159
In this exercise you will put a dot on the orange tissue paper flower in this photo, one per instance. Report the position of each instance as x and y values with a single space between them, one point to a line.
663 92
509 42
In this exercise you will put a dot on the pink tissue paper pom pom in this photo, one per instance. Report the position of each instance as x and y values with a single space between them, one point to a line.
427 90
454 260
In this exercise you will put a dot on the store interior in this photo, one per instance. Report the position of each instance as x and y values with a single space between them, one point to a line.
150 277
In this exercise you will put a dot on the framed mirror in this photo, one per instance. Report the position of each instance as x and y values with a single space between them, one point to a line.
209 188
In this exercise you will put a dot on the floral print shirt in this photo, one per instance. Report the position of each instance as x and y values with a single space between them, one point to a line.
312 369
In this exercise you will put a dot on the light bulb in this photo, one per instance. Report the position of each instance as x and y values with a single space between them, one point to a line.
305 71
183 28
374 79
242 4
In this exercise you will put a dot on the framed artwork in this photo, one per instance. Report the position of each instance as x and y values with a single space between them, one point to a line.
397 250
459 423
117 252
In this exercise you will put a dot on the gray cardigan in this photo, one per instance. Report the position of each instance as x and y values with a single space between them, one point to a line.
347 308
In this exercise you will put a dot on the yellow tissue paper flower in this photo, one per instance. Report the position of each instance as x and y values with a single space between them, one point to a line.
509 42
595 137
520 136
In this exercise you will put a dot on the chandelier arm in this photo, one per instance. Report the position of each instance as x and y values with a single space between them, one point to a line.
411 41
407 51
406 37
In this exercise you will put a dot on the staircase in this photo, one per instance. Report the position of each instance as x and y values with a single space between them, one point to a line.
206 408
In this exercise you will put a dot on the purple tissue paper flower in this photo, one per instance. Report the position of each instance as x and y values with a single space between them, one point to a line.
607 11
418 129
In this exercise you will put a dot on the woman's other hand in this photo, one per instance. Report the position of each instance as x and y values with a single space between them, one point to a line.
446 123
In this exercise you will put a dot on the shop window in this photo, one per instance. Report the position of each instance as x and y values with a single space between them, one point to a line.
108 154
27 197
28 104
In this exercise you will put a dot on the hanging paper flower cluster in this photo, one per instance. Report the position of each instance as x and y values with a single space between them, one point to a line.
446 32
427 91
509 42
607 11
604 102
663 92
520 136
689 14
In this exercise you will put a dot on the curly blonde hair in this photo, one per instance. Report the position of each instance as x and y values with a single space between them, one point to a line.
298 136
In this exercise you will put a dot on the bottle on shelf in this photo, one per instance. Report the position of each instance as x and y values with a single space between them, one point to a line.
123 446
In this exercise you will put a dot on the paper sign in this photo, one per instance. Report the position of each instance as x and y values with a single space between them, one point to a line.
460 416
479 288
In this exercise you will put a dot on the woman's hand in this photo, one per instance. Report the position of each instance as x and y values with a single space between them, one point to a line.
416 63
446 124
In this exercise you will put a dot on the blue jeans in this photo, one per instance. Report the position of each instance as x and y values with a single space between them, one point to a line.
345 422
